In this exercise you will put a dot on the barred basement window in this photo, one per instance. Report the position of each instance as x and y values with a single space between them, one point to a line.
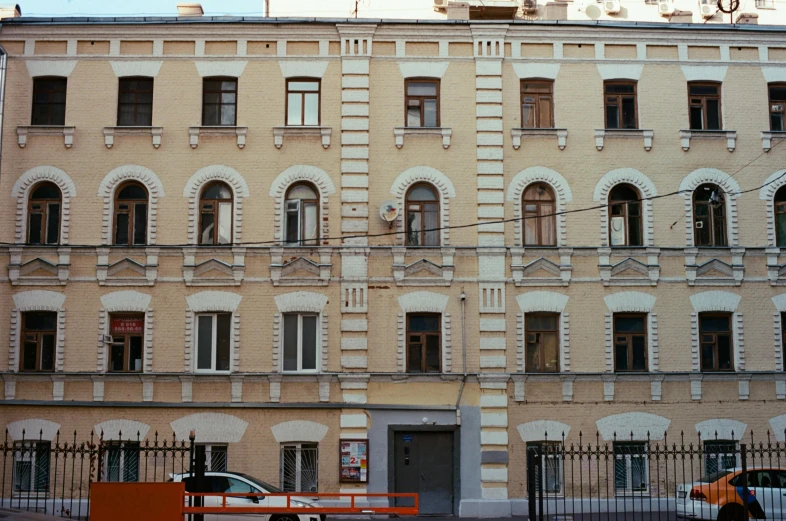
121 461
719 455
216 458
31 467
300 467
43 214
631 471
551 467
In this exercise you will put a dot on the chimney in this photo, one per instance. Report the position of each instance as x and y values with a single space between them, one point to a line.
190 10
10 11
556 11
748 18
681 17
458 11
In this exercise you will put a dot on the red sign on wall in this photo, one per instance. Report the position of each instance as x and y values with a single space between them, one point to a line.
128 325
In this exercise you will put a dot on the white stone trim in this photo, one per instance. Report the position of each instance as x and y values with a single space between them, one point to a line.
231 68
715 301
424 302
39 300
22 188
767 194
62 68
422 69
303 69
34 429
296 174
652 342
630 302
704 72
205 175
721 429
118 176
299 431
620 71
207 301
147 68
210 427
120 301
543 430
645 187
542 301
694 343
547 71
778 337
445 191
125 429
729 186
773 74
301 301
643 425
562 193
36 300
778 424
739 342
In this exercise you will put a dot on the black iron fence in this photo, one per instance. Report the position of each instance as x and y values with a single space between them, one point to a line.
628 478
54 477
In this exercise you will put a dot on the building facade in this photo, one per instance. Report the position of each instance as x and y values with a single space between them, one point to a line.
451 239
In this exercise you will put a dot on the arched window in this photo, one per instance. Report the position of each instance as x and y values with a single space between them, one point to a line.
131 215
215 214
540 223
625 216
302 218
780 216
43 214
422 204
709 216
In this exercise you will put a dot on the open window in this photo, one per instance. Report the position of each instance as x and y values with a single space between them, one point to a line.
215 214
709 216
302 215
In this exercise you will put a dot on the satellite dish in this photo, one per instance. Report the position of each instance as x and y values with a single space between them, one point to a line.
389 211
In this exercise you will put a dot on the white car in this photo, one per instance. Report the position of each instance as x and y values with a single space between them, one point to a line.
236 482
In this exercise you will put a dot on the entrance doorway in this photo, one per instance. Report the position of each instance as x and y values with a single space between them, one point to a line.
423 464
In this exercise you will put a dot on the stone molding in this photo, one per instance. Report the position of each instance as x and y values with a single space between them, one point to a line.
729 186
715 301
303 69
767 194
778 424
205 175
299 431
547 71
210 427
231 68
146 68
721 429
126 301
543 430
562 193
642 426
423 302
33 429
121 429
538 301
301 301
206 301
295 174
120 175
422 69
39 300
620 71
645 187
704 72
22 188
445 191
777 334
61 68
630 301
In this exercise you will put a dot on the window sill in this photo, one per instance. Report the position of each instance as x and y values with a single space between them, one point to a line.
45 130
768 136
292 131
729 135
560 133
603 133
195 132
445 132
111 132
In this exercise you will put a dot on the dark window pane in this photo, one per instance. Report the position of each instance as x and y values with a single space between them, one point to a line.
132 192
45 191
419 323
780 228
29 355
621 356
430 113
34 228
140 224
432 353
40 321
714 323
629 324
217 191
223 338
713 114
135 353
309 355
696 118
612 116
204 341
707 357
116 356
121 228
290 342
52 223
628 112
414 357
541 322
210 115
724 352
639 353
47 352
699 90
778 93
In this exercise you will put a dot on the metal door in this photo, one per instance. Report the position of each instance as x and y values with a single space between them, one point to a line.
423 464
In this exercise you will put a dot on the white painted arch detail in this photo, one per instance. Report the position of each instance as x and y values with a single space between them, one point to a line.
206 175
299 430
39 300
210 427
721 429
704 72
715 301
213 301
423 69
122 429
301 301
303 69
231 68
778 424
630 301
423 302
119 176
445 192
144 68
780 302
639 426
543 430
128 300
562 193
542 301
21 191
62 68
646 188
767 194
318 178
33 429
731 190
546 71
620 71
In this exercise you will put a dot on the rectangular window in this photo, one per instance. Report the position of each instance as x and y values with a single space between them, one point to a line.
39 333
424 343
777 93
620 99
300 342
543 343
127 332
49 101
719 455
31 467
630 342
705 106
301 223
631 471
121 461
717 352
551 466
219 102
300 467
303 102
216 457
765 4
214 332
135 102
422 103
537 104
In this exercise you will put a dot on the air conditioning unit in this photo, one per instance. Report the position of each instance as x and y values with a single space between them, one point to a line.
440 4
529 6
708 11
611 6
666 8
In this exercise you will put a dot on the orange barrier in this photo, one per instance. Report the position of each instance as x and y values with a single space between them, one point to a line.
136 501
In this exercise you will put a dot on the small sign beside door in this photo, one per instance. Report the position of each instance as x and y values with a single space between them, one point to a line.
353 461
406 438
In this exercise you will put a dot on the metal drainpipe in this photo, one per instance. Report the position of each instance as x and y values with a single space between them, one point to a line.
463 298
3 65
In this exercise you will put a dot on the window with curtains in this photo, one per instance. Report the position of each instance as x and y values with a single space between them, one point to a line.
422 207
551 468
31 467
214 341
127 332
131 215
779 204
219 102
301 338
715 341
777 95
49 101
630 342
424 343
537 104
705 106
631 469
422 102
709 216
39 338
121 461
303 102
302 211
543 343
719 455
300 467
43 214
135 102
215 214
625 223
620 102
539 222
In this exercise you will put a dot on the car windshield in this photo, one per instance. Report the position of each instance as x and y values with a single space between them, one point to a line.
715 476
266 486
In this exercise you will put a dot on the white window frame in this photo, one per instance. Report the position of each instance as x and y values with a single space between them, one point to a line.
298 447
317 343
27 451
213 342
628 490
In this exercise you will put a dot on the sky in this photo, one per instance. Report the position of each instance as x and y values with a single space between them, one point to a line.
309 8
